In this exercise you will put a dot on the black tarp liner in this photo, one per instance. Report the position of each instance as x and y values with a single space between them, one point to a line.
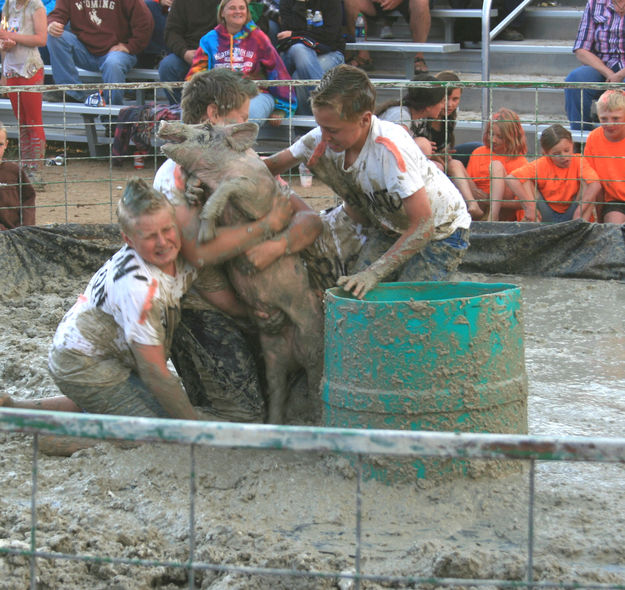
34 258
574 249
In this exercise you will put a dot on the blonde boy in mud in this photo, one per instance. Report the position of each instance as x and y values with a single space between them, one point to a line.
409 219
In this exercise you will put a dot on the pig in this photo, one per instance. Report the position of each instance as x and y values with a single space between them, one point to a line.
242 189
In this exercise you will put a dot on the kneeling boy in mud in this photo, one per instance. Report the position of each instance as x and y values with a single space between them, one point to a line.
210 351
413 219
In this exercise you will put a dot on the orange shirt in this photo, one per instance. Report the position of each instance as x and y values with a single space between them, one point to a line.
608 160
479 166
558 186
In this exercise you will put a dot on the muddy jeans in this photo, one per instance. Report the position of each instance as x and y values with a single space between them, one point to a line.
434 263
217 367
130 398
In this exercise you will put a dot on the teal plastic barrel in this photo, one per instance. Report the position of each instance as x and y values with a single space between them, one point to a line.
425 356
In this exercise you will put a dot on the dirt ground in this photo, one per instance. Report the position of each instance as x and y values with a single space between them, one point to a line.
84 190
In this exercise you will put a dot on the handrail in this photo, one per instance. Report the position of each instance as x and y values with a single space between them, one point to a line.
487 37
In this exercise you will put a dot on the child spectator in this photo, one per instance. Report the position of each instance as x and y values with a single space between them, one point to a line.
418 109
503 151
238 44
415 220
549 188
17 196
23 31
605 152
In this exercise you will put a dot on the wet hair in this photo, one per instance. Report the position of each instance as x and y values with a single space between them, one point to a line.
139 199
611 100
226 89
512 133
553 135
222 5
345 89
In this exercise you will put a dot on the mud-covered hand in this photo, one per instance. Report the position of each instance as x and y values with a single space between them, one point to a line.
266 253
194 191
360 283
281 213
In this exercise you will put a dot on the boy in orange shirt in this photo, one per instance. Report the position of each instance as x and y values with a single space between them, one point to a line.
605 152
548 188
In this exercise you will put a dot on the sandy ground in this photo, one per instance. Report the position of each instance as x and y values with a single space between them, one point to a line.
286 510
86 190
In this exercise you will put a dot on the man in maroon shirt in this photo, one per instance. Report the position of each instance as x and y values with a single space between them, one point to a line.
105 36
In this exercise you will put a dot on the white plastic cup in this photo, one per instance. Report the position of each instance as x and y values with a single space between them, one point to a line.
305 175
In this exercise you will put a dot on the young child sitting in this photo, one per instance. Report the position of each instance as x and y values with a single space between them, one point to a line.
17 196
549 188
503 151
605 152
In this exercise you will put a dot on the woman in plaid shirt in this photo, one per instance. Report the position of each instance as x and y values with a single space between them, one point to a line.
600 46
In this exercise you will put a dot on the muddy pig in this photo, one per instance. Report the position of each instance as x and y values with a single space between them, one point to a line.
242 189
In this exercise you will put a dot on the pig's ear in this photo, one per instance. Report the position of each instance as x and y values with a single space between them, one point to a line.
241 136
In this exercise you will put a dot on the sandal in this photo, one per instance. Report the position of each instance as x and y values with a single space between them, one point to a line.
363 63
420 67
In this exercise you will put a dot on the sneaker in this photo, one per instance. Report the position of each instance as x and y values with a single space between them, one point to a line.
387 32
511 34
95 100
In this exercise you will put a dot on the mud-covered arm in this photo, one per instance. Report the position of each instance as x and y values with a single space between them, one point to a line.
303 230
412 240
281 162
233 240
152 367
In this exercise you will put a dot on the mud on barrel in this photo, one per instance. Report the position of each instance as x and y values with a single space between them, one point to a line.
425 356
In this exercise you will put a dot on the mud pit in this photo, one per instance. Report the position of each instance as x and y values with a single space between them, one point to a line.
284 510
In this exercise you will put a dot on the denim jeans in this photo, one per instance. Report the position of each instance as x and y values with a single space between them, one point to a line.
173 69
261 106
578 102
303 63
67 54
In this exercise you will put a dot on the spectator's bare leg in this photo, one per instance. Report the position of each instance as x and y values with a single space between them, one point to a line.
420 29
352 7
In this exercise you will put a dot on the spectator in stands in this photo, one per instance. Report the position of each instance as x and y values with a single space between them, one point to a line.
238 44
503 151
272 14
17 196
415 221
416 13
415 111
23 31
151 56
600 46
188 21
310 51
605 152
104 37
558 186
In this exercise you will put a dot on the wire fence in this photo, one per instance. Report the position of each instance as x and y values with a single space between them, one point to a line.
359 445
85 168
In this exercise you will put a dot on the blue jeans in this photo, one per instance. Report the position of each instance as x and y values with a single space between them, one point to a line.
261 106
173 69
304 63
67 53
577 101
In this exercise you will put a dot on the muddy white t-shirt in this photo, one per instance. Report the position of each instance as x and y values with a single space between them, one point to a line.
389 168
127 300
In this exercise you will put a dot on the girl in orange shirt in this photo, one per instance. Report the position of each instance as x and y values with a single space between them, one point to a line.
549 188
488 166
